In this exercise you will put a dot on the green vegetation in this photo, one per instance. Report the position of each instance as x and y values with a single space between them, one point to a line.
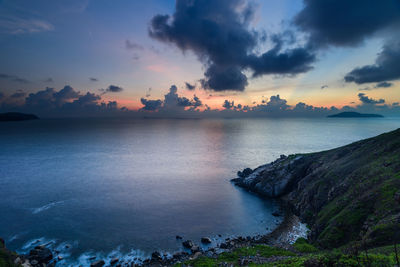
6 257
310 256
302 245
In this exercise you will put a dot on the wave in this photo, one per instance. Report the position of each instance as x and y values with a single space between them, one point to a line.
46 207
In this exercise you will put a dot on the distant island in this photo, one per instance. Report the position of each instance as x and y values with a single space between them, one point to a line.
16 116
350 114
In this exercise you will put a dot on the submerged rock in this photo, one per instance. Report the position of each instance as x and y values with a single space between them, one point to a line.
156 256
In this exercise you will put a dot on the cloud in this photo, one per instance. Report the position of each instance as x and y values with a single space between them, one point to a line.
112 89
48 80
16 25
369 101
219 33
386 67
346 23
383 85
1 95
13 78
324 86
189 86
93 79
228 104
18 94
65 102
130 45
150 105
172 103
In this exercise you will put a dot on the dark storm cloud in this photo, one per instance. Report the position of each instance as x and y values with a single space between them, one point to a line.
344 22
219 33
386 67
366 100
189 86
13 78
383 85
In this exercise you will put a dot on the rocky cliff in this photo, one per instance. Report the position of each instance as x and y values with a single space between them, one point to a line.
345 195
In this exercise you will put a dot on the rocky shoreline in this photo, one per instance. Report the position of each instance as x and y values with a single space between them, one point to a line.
283 236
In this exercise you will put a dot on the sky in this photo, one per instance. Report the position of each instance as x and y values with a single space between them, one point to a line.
199 57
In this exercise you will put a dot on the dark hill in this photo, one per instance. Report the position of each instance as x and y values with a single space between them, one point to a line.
16 116
348 194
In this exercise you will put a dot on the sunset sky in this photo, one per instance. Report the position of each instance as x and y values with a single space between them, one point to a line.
322 54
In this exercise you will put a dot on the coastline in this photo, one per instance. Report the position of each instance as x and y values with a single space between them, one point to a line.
283 236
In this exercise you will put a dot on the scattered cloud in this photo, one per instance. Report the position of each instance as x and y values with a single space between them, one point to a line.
93 79
49 80
386 67
130 45
189 86
18 94
324 86
13 78
112 89
16 25
383 85
366 100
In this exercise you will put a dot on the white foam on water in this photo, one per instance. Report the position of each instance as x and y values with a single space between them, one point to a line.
46 207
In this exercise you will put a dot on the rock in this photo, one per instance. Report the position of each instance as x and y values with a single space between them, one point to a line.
99 263
276 214
60 258
178 237
156 256
206 240
195 249
196 255
34 262
2 243
114 261
246 172
223 246
177 255
188 244
282 156
41 254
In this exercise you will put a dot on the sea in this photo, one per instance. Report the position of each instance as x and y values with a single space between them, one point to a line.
125 187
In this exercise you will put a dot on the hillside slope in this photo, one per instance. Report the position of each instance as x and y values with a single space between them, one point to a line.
348 194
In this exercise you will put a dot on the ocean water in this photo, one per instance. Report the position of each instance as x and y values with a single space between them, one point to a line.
127 187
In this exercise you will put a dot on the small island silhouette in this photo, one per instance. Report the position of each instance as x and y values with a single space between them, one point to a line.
350 114
16 116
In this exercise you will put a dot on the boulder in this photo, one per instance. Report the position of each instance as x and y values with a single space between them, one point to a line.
114 261
156 256
41 254
99 263
223 246
206 240
178 237
188 244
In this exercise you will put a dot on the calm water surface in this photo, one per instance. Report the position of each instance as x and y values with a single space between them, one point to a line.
112 185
